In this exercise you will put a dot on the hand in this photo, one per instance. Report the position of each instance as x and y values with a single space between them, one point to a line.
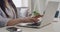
37 16
30 19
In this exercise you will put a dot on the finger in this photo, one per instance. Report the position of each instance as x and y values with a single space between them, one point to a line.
35 20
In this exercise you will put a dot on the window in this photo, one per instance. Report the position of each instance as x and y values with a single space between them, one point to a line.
21 3
22 7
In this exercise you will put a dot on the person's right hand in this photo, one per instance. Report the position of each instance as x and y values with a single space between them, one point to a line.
30 19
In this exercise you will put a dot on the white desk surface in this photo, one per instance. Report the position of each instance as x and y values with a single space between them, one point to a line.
44 29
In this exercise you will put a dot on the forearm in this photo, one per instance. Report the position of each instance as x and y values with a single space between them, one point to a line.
14 22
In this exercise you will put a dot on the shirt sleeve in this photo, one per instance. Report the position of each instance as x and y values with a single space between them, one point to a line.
3 21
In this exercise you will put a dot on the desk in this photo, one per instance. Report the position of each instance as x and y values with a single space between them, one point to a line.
44 29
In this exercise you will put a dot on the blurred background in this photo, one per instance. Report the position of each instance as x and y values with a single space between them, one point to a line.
34 5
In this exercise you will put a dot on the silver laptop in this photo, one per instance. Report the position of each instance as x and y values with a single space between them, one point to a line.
49 13
48 16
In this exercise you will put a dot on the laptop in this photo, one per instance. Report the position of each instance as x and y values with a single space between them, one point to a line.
48 16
